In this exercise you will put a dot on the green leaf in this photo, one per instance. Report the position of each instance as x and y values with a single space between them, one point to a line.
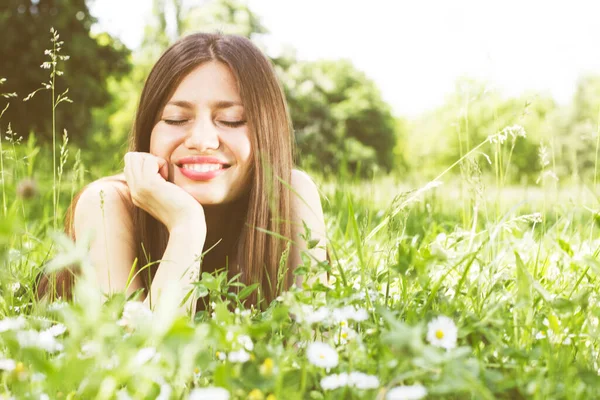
247 291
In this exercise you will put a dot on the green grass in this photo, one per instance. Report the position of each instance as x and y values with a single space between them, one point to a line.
515 268
521 290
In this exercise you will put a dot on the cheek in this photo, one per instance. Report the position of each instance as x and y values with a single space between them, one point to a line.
161 144
244 148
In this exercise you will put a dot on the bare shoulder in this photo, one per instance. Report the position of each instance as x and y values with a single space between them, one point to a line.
306 201
108 197
304 186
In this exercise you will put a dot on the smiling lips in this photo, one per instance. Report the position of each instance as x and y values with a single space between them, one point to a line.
201 168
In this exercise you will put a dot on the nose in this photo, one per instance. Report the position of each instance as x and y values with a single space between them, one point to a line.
203 135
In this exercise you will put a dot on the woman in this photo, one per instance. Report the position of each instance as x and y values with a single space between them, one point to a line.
209 171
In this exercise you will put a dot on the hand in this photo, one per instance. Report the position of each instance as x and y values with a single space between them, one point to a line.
146 177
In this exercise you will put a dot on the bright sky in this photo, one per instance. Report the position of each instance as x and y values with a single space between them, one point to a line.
415 50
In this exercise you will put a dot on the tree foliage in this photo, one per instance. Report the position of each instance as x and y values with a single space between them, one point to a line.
339 116
25 32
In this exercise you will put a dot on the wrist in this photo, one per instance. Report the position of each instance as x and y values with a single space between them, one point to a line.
193 226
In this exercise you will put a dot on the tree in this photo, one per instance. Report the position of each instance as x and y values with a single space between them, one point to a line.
25 31
339 117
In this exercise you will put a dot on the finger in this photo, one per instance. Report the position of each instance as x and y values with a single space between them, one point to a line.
171 176
165 171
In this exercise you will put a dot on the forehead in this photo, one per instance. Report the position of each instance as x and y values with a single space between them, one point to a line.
208 82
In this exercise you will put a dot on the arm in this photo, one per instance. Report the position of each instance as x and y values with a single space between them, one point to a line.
180 264
306 207
112 251
101 209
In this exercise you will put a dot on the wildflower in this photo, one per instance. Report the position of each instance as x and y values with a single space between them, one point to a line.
41 340
311 316
221 356
197 373
441 332
349 313
360 315
165 389
344 335
56 330
245 341
322 355
89 349
27 189
413 392
209 393
358 380
12 324
256 394
7 364
144 355
135 314
271 397
240 356
266 368
334 381
57 305
363 381
20 371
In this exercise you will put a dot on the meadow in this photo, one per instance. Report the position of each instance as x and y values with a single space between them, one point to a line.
464 287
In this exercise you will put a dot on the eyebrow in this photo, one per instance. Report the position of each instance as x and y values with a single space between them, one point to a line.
214 104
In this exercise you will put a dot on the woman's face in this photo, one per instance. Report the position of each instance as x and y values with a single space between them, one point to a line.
202 131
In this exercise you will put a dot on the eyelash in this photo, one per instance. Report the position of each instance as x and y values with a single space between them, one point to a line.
232 124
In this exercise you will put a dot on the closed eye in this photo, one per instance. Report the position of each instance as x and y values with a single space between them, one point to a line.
232 124
175 121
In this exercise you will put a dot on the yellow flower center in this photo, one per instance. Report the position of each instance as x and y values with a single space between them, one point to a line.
439 334
256 394
267 366
19 368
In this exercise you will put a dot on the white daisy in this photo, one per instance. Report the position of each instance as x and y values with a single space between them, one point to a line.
209 393
442 332
311 316
41 340
246 341
357 380
334 381
322 355
7 364
165 389
144 355
240 356
57 330
12 324
135 314
344 335
413 392
363 381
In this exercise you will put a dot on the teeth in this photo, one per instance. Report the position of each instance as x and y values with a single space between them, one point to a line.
202 167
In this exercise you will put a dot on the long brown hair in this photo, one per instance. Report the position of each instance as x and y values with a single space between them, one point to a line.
262 217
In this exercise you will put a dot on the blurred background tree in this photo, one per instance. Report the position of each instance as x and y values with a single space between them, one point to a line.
25 32
339 117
